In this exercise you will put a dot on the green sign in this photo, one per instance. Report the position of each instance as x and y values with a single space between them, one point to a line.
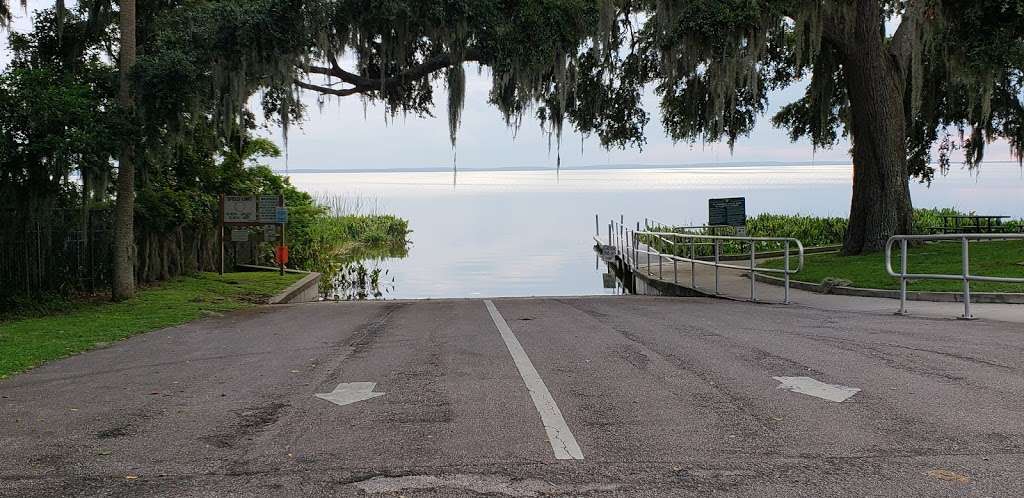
730 211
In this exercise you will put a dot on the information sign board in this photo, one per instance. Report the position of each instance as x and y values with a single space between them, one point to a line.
239 209
268 205
730 212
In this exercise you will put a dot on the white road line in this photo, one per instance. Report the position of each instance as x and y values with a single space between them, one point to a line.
562 441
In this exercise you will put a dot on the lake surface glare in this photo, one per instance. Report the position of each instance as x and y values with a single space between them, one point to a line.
530 233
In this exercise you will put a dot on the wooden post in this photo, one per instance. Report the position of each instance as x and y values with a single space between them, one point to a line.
280 203
220 234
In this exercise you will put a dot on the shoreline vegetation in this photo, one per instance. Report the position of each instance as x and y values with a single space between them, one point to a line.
337 236
812 231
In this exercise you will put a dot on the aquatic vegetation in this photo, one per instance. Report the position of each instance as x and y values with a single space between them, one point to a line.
335 245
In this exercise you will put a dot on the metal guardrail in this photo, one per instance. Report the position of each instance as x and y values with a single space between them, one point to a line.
965 273
629 249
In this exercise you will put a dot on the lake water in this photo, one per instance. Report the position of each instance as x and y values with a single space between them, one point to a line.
529 233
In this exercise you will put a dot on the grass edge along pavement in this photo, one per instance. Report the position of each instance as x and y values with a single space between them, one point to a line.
28 342
988 258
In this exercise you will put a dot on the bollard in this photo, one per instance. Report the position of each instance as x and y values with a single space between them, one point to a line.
716 267
693 265
785 296
967 279
902 278
753 278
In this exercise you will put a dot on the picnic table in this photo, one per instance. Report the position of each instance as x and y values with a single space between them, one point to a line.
972 223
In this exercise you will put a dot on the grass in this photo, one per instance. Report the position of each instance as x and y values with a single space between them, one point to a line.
994 258
30 341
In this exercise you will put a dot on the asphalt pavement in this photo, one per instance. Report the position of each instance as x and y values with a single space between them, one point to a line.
620 395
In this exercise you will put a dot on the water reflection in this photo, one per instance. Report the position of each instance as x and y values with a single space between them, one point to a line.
357 282
363 275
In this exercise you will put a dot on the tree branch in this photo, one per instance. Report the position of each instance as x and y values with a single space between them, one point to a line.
901 46
341 92
365 84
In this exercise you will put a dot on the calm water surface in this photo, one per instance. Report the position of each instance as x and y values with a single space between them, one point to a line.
529 233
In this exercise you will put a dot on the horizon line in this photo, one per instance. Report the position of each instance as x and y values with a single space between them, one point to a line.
627 166
443 169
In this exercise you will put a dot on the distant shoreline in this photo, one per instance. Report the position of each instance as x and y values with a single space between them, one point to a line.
594 167
436 169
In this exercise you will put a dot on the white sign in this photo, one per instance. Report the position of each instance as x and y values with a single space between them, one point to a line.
239 209
269 233
268 208
239 236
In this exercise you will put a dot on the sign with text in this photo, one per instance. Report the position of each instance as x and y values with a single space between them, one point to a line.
239 236
730 211
240 209
256 219
267 209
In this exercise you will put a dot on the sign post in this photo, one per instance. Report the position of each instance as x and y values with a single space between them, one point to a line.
282 256
248 211
220 235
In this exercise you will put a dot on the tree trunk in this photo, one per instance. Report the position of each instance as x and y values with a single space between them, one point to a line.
124 215
880 207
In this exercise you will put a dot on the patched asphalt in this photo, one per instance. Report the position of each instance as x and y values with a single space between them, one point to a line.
664 396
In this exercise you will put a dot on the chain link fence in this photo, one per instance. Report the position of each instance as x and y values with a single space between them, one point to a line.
57 251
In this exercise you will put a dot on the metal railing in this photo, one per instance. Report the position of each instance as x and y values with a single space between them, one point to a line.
965 273
626 242
650 224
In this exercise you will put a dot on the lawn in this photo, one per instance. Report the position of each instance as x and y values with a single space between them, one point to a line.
995 258
29 342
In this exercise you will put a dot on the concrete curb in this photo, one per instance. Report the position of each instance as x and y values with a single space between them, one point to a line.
938 297
306 290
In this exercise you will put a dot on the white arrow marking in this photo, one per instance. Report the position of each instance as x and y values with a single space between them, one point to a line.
346 394
811 387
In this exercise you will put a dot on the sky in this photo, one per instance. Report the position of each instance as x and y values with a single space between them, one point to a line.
344 134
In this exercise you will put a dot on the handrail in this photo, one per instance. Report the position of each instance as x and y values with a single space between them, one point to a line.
965 273
624 239
654 223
